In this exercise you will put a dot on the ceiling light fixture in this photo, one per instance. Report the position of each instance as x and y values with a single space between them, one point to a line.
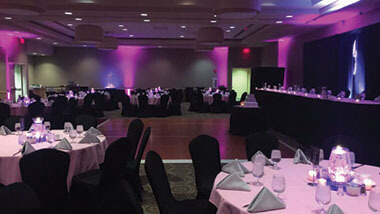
183 26
55 43
289 16
7 18
34 53
78 19
237 9
213 21
159 46
146 20
131 35
182 36
228 31
42 54
279 22
38 38
144 14
121 25
68 13
232 27
84 45
125 29
70 25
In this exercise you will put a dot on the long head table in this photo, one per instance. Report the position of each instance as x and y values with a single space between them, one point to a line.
312 120
83 157
298 196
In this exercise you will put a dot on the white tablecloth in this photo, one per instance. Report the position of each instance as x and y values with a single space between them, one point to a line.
21 110
208 98
152 100
83 157
298 196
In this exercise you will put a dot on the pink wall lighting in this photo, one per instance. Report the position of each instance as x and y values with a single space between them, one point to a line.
220 57
128 57
283 52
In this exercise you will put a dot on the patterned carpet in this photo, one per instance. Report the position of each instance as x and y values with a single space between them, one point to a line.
182 182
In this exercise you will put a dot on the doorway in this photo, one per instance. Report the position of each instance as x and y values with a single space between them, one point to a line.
241 81
20 81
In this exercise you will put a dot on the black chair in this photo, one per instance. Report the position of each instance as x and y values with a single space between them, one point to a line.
217 104
135 129
133 167
144 108
56 116
45 171
204 151
243 97
175 105
70 112
231 102
19 198
87 121
11 121
128 109
5 112
202 106
167 204
87 104
102 189
36 109
162 109
97 109
260 141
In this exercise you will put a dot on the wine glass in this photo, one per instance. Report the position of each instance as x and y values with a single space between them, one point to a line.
374 200
259 159
73 135
67 127
352 159
257 172
322 196
278 184
276 158
80 130
22 124
18 128
47 125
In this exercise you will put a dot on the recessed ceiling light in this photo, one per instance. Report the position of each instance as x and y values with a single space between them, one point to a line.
38 38
228 31
278 22
125 29
84 45
159 46
8 18
78 19
146 20
215 15
55 43
121 25
131 35
232 27
68 13
289 16
34 53
183 26
42 54
70 25
213 21
182 36
143 14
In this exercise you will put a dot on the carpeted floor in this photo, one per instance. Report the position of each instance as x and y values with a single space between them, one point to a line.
182 182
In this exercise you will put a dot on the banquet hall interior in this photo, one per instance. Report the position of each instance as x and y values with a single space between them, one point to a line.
189 106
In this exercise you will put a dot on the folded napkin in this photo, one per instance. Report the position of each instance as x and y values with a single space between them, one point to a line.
265 200
268 162
300 157
64 145
233 182
5 131
235 166
27 148
94 131
90 138
334 209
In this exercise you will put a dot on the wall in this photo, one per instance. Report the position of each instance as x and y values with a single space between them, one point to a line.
269 55
290 50
128 67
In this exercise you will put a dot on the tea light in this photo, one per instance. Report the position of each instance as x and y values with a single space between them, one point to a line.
242 104
322 182
312 175
305 94
339 98
368 184
357 100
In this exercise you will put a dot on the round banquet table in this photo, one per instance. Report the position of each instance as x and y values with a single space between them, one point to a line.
298 196
210 99
21 110
83 157
152 100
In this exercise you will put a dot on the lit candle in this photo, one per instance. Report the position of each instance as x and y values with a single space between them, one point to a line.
339 98
312 175
305 94
322 182
368 184
242 104
339 150
357 100
319 96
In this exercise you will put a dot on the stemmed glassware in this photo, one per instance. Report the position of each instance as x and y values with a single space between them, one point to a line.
67 127
18 128
47 125
374 200
80 130
257 172
73 135
276 158
278 184
322 196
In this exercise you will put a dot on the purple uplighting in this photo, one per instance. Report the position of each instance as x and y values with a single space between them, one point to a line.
220 56
128 57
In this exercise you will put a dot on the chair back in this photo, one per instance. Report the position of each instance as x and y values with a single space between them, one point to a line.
217 98
158 180
45 171
143 101
205 154
10 122
164 99
5 112
142 146
135 130
36 109
232 97
19 198
62 100
243 97
260 141
87 121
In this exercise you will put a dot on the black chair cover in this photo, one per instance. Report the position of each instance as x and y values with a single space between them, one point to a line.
128 110
36 109
45 171
204 151
260 141
10 122
5 112
56 115
87 121
144 108
243 97
162 109
19 198
217 104
135 129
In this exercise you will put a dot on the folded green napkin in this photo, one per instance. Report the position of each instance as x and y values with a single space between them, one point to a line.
268 162
64 145
90 138
94 131
233 182
300 157
235 166
5 131
334 209
27 148
265 200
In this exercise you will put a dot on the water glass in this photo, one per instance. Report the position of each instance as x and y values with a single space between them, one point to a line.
22 124
276 158
258 172
278 184
47 125
352 158
374 200
73 135
80 130
322 196
18 128
259 159
67 127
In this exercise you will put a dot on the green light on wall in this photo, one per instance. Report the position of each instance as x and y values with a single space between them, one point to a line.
241 81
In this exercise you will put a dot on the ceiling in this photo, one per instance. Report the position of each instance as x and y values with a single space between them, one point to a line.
174 23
